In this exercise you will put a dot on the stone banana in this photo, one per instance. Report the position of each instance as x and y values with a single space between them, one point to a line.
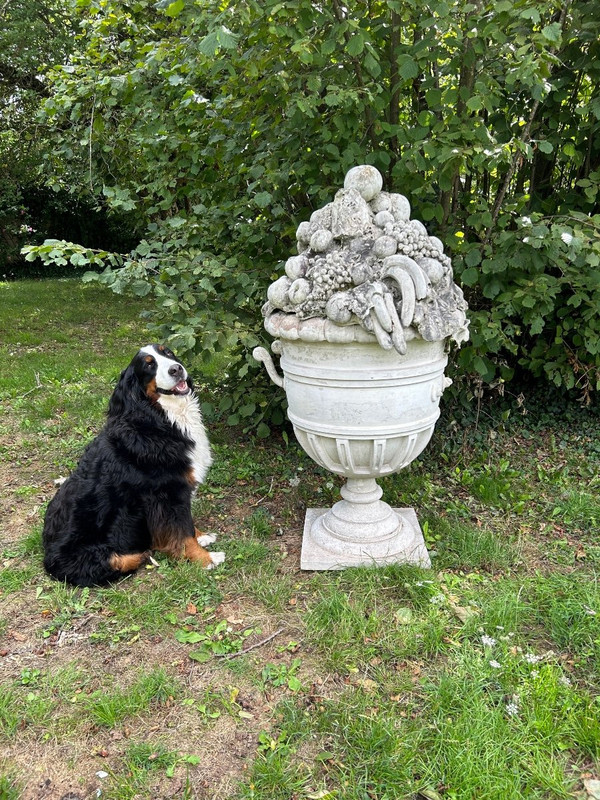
419 277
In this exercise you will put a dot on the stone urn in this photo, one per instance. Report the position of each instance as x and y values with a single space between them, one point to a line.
362 320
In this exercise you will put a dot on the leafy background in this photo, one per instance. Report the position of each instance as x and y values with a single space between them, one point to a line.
209 131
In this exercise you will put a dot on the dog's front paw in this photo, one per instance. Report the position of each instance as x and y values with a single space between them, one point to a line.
206 538
216 559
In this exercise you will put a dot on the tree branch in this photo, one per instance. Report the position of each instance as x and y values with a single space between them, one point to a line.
252 646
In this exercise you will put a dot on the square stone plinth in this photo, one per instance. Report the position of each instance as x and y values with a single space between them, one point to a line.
408 547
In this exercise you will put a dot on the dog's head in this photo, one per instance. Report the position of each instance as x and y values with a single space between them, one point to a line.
154 371
159 372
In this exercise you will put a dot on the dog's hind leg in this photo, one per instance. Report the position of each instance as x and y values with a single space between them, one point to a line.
128 562
91 566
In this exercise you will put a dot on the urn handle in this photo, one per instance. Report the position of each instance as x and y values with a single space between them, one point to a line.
261 354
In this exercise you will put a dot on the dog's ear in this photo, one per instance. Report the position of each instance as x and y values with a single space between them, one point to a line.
126 392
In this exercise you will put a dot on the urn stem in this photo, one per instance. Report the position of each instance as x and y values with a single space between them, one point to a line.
361 490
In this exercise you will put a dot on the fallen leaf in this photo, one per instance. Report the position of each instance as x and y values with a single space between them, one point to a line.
366 683
191 609
19 637
403 616
463 614
430 794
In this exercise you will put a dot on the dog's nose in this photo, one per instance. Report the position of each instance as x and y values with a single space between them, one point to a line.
176 371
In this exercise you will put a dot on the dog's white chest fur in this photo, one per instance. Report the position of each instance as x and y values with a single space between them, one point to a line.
185 413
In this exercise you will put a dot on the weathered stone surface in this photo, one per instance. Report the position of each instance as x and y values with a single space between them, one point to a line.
366 180
350 215
361 320
345 251
405 545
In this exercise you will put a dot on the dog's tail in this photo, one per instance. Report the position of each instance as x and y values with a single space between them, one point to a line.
95 565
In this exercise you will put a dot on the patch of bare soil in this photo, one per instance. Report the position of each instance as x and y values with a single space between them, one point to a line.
83 766
64 762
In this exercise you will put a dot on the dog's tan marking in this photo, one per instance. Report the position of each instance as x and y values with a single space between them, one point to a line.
127 563
151 391
176 547
194 552
190 476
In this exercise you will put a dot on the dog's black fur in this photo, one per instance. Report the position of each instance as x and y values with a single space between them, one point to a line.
131 492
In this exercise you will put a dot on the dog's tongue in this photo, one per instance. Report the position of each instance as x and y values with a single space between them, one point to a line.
181 387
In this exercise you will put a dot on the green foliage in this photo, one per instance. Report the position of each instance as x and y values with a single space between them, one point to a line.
538 295
9 788
35 34
218 639
282 675
31 33
112 707
218 127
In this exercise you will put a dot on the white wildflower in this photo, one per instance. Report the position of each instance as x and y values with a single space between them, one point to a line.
488 641
295 481
565 681
512 709
530 658
535 673
566 237
495 664
438 599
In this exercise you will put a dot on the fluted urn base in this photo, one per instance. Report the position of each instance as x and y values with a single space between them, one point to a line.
361 530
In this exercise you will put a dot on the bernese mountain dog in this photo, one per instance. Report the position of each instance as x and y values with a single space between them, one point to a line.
131 492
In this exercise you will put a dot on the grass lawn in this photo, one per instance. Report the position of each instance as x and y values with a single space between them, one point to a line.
476 680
